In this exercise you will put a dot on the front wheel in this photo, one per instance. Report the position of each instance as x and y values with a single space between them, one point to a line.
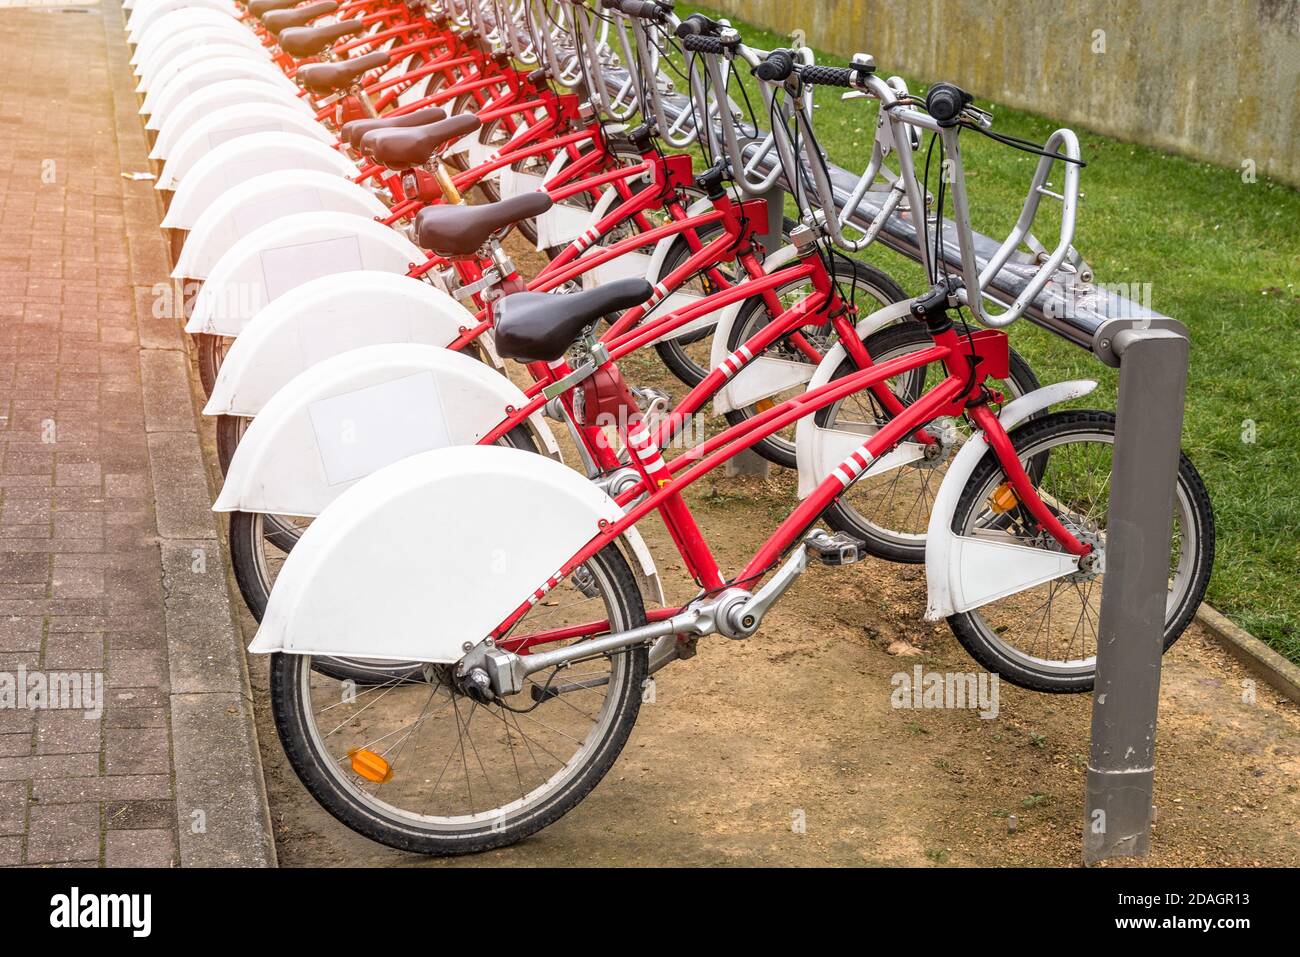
425 768
1045 637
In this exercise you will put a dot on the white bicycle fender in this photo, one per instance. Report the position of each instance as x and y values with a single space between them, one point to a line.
325 317
410 563
166 73
231 123
242 159
763 376
163 48
962 571
140 20
243 208
222 44
282 255
176 21
354 413
818 450
219 95
166 96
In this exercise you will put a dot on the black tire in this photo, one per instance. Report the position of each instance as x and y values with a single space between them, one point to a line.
672 352
320 774
753 315
211 353
230 429
891 543
1193 508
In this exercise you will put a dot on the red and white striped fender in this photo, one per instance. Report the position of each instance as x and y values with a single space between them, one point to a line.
427 556
239 160
563 223
964 571
218 96
354 413
230 123
182 34
233 63
763 377
265 198
650 266
273 260
140 19
818 451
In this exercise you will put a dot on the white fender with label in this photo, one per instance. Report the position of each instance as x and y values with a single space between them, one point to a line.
166 95
354 413
228 124
239 160
276 258
963 572
167 47
263 199
428 556
326 317
221 94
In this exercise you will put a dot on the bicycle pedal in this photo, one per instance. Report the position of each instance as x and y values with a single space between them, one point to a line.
835 549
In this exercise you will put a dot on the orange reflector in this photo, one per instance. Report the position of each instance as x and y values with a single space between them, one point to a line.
370 765
762 405
1003 499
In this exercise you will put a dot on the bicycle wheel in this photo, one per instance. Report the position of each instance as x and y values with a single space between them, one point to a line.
890 511
461 775
259 544
211 353
687 357
1045 638
869 289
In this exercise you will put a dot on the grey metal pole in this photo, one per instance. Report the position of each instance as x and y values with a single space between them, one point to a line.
1149 419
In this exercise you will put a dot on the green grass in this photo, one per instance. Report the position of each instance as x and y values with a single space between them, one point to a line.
1222 256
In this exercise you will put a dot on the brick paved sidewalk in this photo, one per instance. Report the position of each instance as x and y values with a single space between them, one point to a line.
110 564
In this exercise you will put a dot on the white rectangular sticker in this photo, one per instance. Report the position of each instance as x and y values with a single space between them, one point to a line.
290 266
360 432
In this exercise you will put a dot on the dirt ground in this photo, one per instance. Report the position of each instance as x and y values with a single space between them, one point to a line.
784 749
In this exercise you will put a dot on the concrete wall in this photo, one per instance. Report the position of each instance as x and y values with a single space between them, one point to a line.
1218 80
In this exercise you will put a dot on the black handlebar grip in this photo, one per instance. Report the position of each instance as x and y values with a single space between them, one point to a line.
827 75
645 9
777 67
702 44
696 23
945 101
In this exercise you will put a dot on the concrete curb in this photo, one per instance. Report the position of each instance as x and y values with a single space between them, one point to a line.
223 819
1257 657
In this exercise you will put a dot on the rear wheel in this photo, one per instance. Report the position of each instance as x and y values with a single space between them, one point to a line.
420 766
